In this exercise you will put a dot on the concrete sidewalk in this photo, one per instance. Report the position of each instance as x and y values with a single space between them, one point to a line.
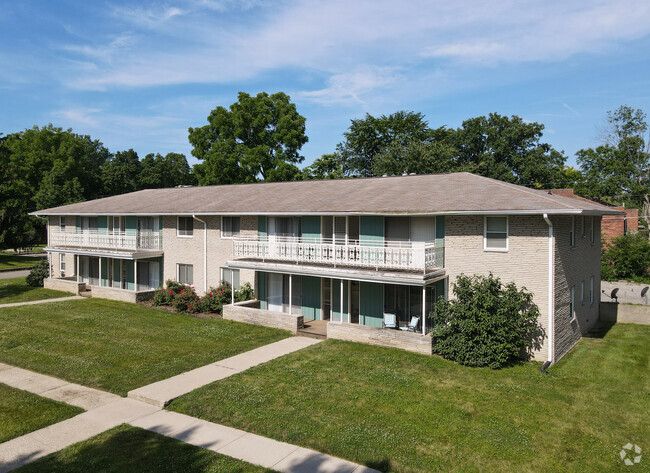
163 392
14 273
42 301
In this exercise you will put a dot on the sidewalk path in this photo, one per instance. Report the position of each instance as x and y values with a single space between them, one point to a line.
163 392
105 411
18 273
42 301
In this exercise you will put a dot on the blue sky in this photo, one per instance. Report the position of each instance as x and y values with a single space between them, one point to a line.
138 74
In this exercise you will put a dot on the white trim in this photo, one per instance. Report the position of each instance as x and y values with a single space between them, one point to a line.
178 219
551 292
498 250
205 253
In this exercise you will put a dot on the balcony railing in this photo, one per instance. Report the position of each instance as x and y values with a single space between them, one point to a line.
115 241
409 256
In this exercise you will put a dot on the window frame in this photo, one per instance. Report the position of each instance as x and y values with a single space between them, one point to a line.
572 304
582 293
223 270
178 227
572 233
592 232
62 223
591 291
62 263
485 233
232 236
178 273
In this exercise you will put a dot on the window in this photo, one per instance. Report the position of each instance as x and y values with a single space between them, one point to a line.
583 227
572 304
230 276
115 225
495 237
62 224
592 236
185 273
229 227
572 233
591 291
582 293
185 226
62 263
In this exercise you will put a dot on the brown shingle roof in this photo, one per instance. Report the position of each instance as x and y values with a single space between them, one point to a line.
421 194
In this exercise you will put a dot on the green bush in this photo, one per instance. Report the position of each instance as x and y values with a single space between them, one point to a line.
186 300
626 257
217 297
244 293
486 324
39 272
165 296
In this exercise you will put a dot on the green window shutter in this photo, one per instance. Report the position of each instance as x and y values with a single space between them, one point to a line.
371 304
102 225
371 230
311 297
311 228
130 275
131 225
440 234
261 289
116 273
104 273
261 227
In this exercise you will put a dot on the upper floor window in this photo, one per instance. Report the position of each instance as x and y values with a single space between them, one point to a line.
115 225
572 303
572 233
229 227
185 226
495 236
592 234
62 224
591 291
89 224
583 227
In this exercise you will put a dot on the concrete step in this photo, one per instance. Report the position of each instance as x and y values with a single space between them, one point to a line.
86 293
308 334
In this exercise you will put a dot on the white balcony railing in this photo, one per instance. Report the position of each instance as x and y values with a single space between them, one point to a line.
116 241
410 256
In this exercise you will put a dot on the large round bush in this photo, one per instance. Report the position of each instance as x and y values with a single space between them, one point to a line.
486 324
39 272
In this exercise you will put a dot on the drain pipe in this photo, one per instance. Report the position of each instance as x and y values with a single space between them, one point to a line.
205 253
551 298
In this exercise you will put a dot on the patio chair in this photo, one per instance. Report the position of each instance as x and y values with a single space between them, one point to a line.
390 321
412 326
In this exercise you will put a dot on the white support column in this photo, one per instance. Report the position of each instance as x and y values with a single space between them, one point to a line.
424 310
135 275
290 293
49 263
122 281
341 300
100 271
78 268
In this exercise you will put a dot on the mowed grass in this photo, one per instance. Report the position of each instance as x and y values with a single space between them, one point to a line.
404 412
9 260
118 346
22 412
17 290
127 449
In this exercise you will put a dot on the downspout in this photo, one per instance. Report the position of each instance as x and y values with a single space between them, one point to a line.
551 298
205 253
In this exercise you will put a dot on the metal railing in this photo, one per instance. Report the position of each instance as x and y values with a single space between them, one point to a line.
115 241
410 256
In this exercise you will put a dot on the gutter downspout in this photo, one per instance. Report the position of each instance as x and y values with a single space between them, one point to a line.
205 253
551 297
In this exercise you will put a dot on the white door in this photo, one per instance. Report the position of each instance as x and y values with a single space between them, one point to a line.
275 292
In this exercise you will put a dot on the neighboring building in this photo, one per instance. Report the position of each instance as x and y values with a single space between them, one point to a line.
342 250
612 226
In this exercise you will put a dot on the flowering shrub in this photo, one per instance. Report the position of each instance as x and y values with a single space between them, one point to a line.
187 301
216 297
184 298
244 293
165 296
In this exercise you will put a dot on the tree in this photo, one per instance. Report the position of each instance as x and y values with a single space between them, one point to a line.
328 166
170 170
121 173
619 169
486 323
250 139
369 137
626 257
44 167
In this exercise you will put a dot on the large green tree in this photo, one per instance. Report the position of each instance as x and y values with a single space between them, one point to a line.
121 173
328 166
44 167
248 141
160 171
618 171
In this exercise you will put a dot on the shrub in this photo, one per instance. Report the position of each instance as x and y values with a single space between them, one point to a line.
244 293
186 300
39 272
487 324
218 296
165 296
626 257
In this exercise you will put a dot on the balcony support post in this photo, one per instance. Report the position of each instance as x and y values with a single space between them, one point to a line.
135 275
424 310
290 293
341 300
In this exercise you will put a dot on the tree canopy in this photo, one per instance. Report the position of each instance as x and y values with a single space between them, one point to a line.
257 138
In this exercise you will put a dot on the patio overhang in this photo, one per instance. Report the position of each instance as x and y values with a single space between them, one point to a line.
353 274
126 255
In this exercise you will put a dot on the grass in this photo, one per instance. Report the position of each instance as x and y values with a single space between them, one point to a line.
127 449
404 412
118 346
17 290
22 412
9 260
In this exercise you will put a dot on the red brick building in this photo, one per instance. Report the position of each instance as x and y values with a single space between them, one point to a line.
612 225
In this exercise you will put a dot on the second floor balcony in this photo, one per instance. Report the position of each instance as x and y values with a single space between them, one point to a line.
117 241
421 257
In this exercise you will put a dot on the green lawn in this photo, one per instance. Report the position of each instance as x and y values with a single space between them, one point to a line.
404 412
126 449
119 346
22 412
13 260
17 290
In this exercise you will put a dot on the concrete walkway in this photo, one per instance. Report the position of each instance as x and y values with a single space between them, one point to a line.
42 301
163 392
105 411
18 273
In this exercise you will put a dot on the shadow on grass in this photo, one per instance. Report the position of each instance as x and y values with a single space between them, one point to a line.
13 290
600 330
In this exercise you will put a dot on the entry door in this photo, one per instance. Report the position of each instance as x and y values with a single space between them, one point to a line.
274 292
327 299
